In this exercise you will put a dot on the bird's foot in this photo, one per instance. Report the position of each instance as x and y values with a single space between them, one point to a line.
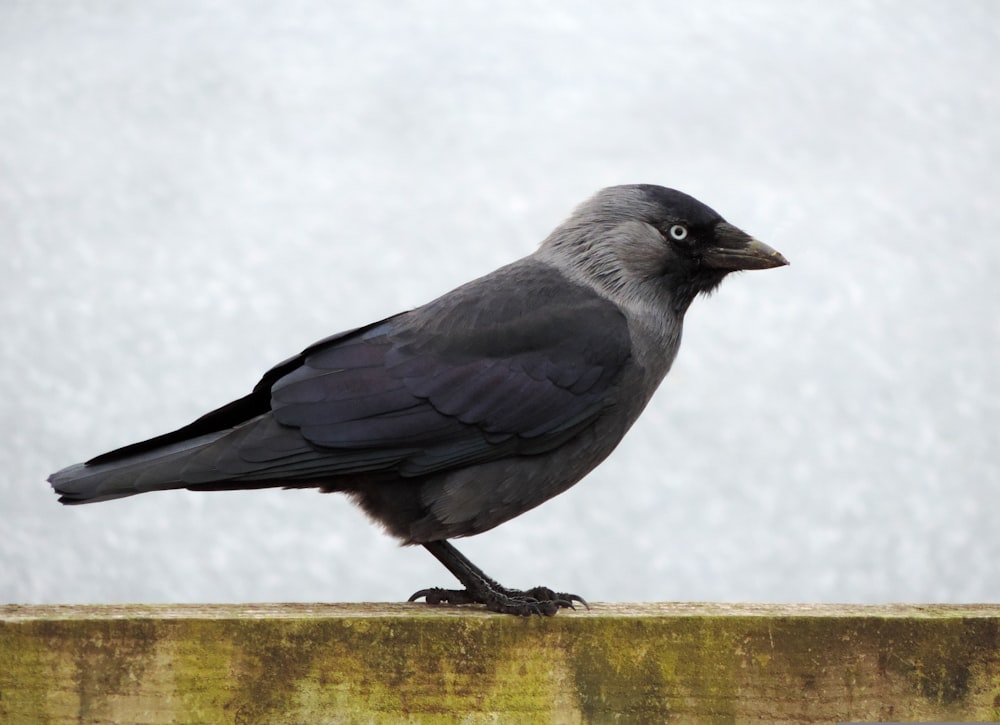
538 600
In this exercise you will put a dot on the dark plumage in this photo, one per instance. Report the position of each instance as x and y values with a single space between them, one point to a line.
452 418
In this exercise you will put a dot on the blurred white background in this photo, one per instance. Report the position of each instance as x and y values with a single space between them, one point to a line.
192 191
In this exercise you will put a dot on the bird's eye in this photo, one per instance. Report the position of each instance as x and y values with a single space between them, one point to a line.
678 232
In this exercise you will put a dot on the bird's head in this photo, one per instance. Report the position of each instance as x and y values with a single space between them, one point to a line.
640 240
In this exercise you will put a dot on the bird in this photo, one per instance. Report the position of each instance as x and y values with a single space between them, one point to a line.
449 419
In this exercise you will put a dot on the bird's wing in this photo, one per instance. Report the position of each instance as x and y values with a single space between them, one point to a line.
516 362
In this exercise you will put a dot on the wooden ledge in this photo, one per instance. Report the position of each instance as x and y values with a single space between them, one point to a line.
317 663
20 613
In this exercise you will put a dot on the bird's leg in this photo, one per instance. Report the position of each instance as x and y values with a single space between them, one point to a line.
480 589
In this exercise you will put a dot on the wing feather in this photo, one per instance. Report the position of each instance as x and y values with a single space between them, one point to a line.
515 363
469 378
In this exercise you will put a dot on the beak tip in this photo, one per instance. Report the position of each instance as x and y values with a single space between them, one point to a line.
736 250
762 256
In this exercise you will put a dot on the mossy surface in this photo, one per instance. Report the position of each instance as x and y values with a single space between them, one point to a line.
389 664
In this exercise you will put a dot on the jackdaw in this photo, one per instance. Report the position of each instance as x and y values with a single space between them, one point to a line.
454 417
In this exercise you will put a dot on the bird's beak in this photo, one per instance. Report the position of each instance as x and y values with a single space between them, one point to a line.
735 250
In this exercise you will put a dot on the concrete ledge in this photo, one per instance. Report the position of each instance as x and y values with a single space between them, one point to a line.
388 663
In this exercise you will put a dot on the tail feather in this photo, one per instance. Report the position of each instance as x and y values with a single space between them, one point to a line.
160 469
258 453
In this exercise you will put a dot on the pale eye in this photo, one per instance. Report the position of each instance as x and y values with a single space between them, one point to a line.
678 232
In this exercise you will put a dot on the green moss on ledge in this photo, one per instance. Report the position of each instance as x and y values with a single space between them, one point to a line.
386 663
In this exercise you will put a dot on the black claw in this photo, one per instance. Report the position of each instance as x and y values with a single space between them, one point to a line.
422 593
560 598
537 601
437 595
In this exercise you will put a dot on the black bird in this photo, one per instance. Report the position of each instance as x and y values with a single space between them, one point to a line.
452 418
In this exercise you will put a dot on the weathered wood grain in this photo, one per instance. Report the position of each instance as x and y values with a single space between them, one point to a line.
390 663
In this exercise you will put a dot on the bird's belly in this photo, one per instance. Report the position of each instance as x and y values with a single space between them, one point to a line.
475 499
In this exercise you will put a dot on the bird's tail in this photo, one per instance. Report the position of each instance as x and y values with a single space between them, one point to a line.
109 477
